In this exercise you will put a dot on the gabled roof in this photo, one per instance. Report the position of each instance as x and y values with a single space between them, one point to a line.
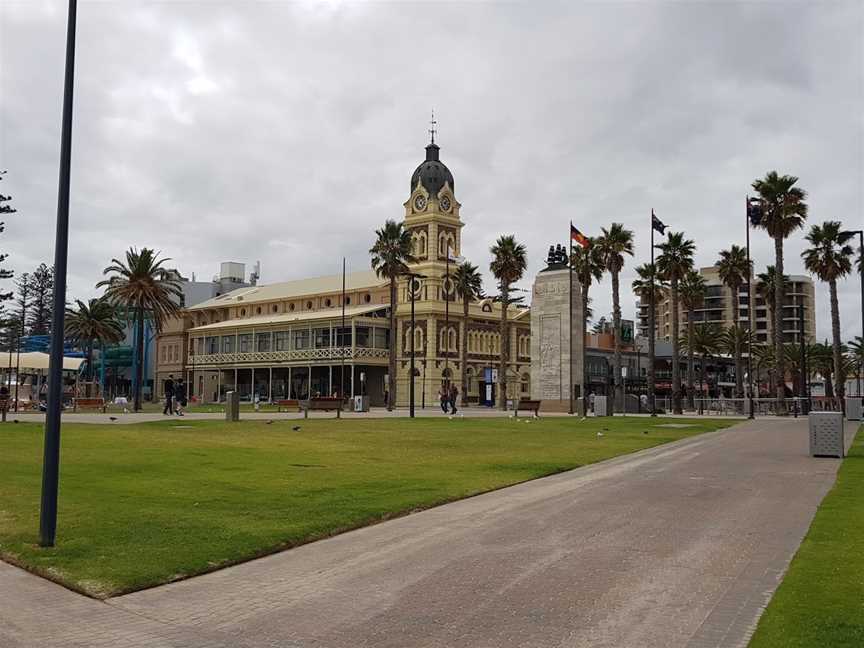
293 289
290 318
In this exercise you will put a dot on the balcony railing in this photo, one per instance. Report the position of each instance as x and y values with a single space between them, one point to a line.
296 355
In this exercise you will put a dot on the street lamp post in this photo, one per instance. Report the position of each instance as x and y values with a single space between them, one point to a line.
752 214
51 459
412 277
860 234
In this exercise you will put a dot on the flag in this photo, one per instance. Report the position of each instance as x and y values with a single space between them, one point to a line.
657 224
579 237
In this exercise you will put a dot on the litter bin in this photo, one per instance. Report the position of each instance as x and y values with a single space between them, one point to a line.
361 403
853 409
826 434
601 406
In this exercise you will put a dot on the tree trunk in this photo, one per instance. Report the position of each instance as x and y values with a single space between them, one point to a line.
691 379
139 358
583 352
505 351
618 399
739 379
394 346
836 342
676 368
89 368
464 351
779 291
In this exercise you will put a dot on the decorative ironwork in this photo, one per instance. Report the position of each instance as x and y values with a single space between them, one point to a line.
336 353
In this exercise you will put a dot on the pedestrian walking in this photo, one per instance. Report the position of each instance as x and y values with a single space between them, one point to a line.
454 394
444 397
179 397
169 395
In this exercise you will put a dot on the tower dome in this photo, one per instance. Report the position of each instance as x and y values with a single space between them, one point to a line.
432 172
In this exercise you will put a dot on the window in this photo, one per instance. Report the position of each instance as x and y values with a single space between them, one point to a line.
227 344
525 386
364 336
281 340
486 308
328 302
262 341
301 339
347 301
275 308
291 307
382 338
242 312
343 336
244 343
258 311
162 354
322 338
367 298
418 339
308 305
212 344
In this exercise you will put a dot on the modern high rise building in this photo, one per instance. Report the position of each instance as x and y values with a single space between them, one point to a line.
724 308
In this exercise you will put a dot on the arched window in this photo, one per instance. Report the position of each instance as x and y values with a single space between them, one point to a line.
451 340
423 244
526 383
418 339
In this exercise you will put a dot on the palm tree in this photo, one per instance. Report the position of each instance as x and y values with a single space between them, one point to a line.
767 288
734 339
674 262
705 342
508 265
784 211
145 289
692 291
763 358
468 284
612 245
391 254
646 279
95 321
588 267
830 258
735 270
820 359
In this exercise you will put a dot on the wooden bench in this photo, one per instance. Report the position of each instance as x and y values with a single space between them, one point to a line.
529 405
323 404
89 403
288 404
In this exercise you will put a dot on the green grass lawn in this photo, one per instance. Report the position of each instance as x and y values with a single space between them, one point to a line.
821 599
148 503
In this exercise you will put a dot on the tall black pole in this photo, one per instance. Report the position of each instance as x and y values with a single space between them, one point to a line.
805 375
342 348
749 309
447 318
18 344
51 460
570 318
861 272
652 372
413 347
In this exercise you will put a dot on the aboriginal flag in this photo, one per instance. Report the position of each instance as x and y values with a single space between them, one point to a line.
579 237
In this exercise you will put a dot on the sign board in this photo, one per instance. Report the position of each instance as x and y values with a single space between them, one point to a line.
488 393
623 372
494 375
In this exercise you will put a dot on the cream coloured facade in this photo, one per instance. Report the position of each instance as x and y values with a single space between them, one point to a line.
287 340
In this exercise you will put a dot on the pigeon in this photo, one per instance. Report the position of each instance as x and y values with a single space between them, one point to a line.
599 434
14 420
296 428
112 418
125 410
644 431
268 422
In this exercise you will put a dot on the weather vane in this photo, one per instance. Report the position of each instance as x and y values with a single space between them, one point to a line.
433 122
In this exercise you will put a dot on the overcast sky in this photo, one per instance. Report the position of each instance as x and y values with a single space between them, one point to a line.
287 132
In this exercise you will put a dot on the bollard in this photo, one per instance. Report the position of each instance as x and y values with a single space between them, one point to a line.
232 406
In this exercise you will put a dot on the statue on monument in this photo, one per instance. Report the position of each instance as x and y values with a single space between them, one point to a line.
557 258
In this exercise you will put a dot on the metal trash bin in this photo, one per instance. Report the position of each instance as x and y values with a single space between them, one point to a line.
601 406
361 403
853 409
826 434
232 406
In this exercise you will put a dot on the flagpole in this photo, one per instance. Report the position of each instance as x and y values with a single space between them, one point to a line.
570 319
342 350
652 374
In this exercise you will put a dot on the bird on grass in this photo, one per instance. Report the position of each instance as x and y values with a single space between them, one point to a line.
296 428
268 422
112 418
599 434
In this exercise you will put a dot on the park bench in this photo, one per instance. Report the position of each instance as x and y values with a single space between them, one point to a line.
288 404
528 405
89 403
322 404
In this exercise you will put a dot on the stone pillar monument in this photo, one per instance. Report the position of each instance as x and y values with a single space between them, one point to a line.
551 380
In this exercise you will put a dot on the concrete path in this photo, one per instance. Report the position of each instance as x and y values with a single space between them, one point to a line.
680 545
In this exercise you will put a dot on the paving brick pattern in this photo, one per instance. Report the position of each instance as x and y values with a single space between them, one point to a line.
680 545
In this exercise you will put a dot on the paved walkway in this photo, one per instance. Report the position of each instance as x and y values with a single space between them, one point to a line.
680 545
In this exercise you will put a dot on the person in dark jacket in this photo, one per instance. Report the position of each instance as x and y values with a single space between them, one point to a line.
179 397
169 395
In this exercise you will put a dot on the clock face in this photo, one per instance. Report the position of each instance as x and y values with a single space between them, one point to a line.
420 203
445 203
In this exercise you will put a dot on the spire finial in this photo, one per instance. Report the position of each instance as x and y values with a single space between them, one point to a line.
433 123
